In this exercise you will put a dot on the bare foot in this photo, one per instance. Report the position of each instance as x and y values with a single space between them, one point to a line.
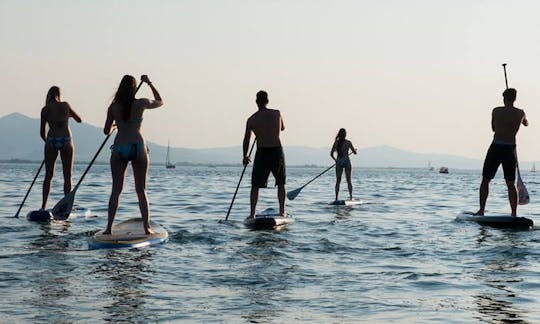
478 213
284 215
250 217
149 231
106 232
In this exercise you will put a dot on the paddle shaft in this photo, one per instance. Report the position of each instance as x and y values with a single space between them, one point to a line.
519 181
28 191
239 181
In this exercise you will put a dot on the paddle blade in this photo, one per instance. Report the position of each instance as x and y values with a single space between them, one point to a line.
523 194
63 208
292 194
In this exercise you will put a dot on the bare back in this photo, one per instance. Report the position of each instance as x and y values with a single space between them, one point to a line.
56 115
267 125
505 122
129 131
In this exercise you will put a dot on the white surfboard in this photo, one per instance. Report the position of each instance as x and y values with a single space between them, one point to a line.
129 234
268 219
501 221
346 202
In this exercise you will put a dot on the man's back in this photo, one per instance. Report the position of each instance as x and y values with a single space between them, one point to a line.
505 123
266 124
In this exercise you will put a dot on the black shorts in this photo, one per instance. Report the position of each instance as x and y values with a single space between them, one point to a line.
500 154
268 159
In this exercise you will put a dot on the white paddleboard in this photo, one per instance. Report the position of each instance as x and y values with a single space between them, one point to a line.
501 221
268 219
129 234
346 202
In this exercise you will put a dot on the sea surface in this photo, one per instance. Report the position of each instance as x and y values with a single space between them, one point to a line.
399 257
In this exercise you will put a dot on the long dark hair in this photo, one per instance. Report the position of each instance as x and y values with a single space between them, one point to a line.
125 95
53 95
340 137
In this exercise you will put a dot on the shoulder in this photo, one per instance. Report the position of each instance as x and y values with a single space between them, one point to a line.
44 110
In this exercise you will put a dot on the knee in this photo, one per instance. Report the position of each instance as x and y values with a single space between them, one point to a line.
140 191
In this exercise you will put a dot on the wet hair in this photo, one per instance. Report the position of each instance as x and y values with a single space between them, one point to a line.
262 98
510 94
53 95
125 95
340 137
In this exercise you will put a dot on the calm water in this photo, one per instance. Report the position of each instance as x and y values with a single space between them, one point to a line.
400 257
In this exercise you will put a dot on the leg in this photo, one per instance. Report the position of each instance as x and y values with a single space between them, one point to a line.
348 172
140 171
281 199
253 200
118 171
66 154
339 172
484 192
50 162
512 196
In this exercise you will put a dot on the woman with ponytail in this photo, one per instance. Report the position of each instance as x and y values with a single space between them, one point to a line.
126 112
55 115
341 148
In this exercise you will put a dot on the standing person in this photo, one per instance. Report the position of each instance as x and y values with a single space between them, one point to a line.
341 147
56 114
267 125
127 113
505 122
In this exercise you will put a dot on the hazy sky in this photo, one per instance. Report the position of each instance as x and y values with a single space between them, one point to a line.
417 75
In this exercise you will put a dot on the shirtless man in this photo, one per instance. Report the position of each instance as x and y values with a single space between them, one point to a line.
267 125
505 122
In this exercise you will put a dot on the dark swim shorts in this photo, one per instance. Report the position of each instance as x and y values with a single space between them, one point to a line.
268 159
497 154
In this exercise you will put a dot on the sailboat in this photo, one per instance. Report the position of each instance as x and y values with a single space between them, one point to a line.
168 163
533 168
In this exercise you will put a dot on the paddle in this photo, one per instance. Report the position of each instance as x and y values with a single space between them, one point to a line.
63 208
239 181
292 194
523 194
28 192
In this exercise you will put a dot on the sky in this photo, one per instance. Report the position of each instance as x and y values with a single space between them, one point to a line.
418 75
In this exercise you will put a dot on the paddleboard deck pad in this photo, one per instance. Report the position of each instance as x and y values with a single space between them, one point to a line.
129 234
346 202
39 216
267 221
503 221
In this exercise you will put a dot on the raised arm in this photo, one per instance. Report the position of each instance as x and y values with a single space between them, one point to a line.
245 144
158 102
73 114
108 122
42 126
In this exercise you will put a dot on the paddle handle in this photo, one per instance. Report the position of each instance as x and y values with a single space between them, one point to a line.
28 191
505 77
239 181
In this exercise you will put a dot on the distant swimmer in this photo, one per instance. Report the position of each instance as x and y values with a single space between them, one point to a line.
267 125
341 147
55 115
129 146
505 123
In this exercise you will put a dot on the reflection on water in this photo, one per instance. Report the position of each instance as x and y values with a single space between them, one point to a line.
502 270
129 275
262 267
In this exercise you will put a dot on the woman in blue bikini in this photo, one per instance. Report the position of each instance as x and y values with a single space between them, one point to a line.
341 147
56 114
126 112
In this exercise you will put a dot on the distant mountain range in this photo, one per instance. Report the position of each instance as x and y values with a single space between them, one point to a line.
20 140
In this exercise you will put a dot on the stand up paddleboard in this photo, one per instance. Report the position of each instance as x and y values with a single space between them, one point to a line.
41 215
503 221
346 202
267 220
129 234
